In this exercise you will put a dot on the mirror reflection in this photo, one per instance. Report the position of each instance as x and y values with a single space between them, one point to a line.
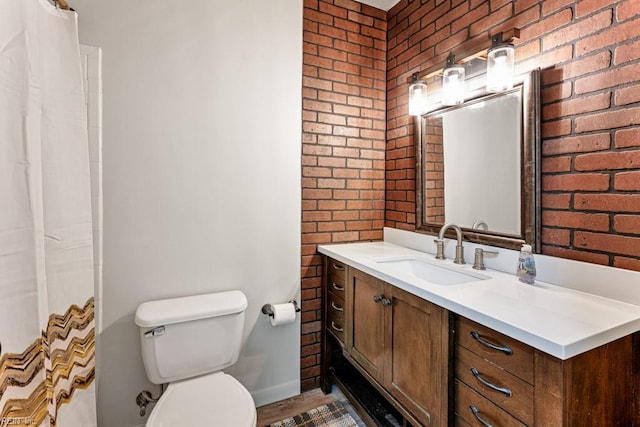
472 172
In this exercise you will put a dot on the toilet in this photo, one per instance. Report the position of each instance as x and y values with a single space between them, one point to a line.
187 342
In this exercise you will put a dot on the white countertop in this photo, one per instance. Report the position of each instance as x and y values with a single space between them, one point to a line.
557 320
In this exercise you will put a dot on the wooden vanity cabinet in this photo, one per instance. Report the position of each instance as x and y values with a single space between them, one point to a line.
500 381
401 342
441 369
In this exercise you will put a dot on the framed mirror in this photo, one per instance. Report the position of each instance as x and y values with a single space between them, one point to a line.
478 166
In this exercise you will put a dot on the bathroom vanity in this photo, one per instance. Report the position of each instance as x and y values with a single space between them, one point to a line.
435 343
479 349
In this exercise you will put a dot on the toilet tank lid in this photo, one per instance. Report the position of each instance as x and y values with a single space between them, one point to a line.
184 309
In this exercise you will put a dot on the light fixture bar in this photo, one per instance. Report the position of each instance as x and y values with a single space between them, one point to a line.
467 53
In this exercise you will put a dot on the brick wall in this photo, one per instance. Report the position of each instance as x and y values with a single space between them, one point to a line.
434 170
589 51
343 134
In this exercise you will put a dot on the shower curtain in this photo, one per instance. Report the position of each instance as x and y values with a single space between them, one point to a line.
47 335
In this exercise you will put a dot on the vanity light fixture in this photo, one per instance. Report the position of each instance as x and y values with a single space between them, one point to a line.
497 51
500 65
418 103
453 85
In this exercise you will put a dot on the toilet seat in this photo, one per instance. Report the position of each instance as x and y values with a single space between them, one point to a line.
214 399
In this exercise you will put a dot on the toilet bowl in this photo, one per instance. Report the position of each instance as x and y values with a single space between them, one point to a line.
186 343
214 399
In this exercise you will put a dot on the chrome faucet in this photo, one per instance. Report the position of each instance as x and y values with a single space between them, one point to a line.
459 259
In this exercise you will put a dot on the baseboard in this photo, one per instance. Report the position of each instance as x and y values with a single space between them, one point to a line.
276 393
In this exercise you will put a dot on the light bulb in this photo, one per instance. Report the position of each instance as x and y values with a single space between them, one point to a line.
453 85
500 66
418 102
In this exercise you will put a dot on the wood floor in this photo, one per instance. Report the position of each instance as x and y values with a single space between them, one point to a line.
293 406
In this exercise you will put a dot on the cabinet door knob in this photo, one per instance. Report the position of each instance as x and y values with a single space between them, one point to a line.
382 299
476 413
489 384
503 348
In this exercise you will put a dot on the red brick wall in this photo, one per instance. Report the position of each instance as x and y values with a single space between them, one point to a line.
434 171
343 134
589 51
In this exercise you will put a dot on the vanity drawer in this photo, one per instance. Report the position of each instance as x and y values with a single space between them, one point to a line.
511 355
335 316
502 388
336 277
473 409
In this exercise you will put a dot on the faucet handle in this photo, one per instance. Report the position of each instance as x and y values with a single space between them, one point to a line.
439 248
478 261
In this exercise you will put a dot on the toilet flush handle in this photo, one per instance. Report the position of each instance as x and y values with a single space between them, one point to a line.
157 331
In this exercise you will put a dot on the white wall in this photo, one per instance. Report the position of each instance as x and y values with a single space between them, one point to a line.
201 123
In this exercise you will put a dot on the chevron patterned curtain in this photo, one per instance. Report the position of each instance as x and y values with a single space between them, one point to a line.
47 333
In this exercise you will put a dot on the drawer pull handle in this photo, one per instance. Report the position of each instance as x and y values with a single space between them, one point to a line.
505 349
337 287
489 384
338 267
476 413
336 327
336 307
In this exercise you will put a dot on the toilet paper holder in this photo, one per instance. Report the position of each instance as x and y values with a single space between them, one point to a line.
268 308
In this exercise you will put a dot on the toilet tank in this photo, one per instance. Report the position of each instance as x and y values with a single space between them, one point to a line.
190 336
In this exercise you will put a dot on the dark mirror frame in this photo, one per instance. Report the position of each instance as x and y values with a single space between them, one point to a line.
530 169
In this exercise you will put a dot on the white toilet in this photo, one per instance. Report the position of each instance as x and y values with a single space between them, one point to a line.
186 342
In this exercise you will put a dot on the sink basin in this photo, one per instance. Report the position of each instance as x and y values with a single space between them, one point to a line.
431 271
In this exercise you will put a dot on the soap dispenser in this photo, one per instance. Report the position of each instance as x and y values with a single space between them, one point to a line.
526 265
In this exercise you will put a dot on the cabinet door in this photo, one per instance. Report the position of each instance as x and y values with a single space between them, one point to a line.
365 322
416 374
